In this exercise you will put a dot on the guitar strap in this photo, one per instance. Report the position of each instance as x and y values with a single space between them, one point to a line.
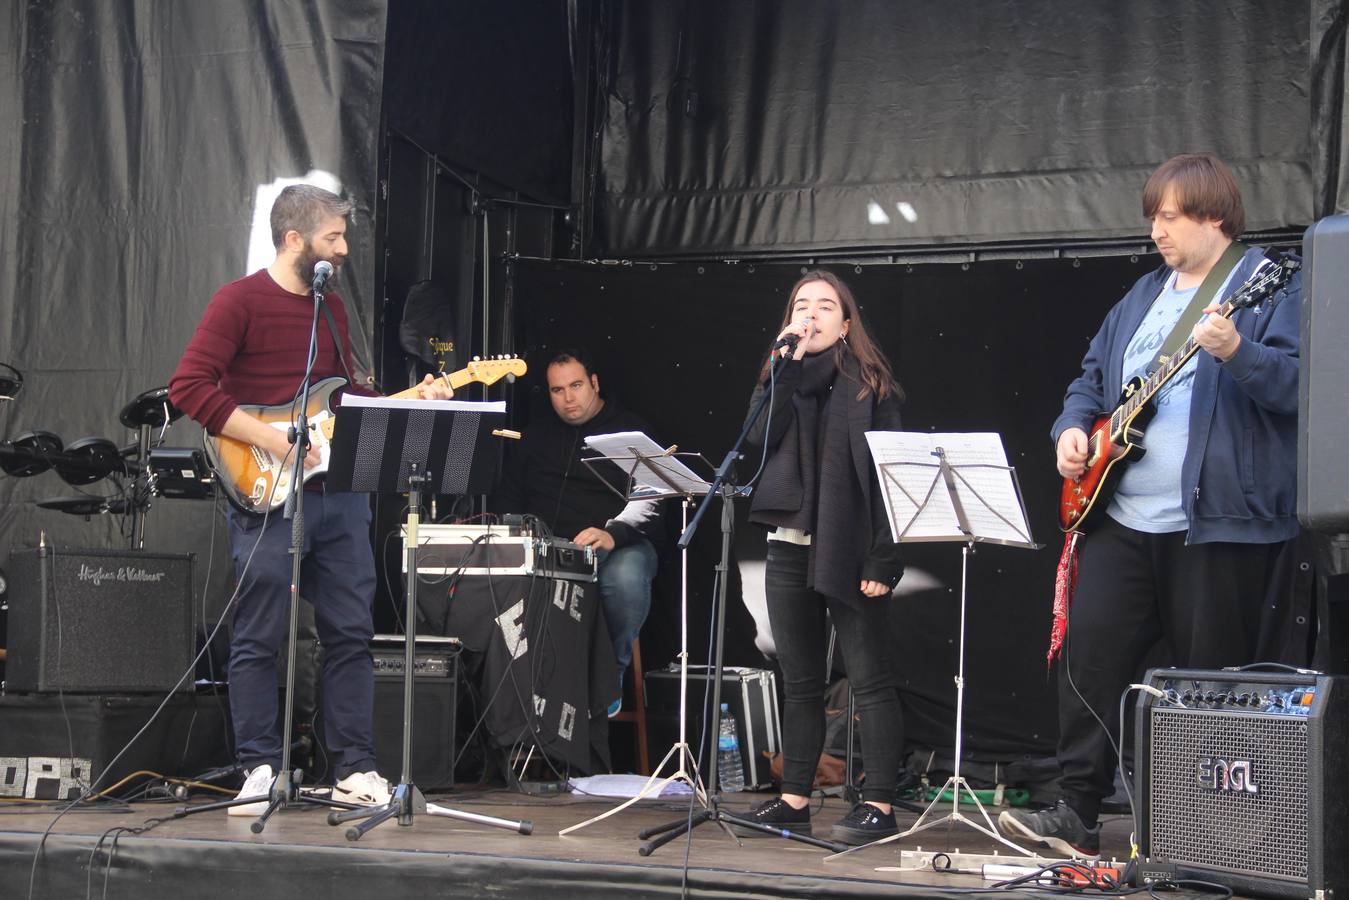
1185 324
337 342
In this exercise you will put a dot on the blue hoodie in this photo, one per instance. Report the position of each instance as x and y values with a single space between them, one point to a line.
1239 477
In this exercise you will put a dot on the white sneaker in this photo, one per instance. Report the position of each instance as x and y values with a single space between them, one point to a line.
257 784
365 788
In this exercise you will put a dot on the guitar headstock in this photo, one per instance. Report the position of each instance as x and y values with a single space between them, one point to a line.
490 371
1265 282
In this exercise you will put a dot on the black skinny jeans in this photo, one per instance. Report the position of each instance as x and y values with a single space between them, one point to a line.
796 614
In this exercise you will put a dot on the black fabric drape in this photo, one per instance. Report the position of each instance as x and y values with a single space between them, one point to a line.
137 137
797 125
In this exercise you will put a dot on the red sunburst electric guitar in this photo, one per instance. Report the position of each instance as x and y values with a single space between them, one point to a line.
1115 440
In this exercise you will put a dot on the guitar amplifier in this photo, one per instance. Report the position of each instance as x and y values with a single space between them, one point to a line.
498 550
1240 780
100 621
434 707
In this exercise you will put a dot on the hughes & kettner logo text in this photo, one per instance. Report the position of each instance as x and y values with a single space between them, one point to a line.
124 574
1234 776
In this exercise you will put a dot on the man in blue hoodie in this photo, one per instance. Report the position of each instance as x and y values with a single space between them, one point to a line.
1195 548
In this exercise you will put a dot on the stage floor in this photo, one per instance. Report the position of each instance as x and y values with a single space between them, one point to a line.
299 854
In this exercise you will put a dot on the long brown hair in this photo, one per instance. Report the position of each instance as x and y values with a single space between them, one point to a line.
874 369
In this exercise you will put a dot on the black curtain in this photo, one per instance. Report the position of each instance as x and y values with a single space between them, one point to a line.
140 138
984 347
793 125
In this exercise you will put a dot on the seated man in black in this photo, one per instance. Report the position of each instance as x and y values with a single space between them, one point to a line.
545 477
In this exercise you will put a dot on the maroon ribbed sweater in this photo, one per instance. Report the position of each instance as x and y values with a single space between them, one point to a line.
251 346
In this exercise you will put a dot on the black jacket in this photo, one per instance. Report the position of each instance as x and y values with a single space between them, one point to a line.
860 546
545 477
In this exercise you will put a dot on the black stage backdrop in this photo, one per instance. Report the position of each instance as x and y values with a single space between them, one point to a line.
137 138
989 346
735 128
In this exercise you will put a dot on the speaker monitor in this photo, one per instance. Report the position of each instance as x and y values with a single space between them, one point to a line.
1323 385
434 705
1241 780
99 621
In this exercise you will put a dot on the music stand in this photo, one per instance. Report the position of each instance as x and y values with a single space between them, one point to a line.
969 494
382 445
656 474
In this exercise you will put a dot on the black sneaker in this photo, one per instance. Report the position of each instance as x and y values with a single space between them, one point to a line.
1059 826
864 824
776 812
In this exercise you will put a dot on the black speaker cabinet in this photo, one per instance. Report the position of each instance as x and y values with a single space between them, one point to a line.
434 705
99 621
1323 382
1241 780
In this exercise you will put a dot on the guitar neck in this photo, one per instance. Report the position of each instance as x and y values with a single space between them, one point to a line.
456 380
1260 285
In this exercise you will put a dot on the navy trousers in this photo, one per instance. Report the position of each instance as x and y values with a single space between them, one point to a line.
338 576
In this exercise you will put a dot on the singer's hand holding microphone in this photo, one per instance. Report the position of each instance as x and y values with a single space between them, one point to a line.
792 342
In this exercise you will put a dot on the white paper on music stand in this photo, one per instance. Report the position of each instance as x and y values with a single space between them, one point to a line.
907 464
623 446
490 406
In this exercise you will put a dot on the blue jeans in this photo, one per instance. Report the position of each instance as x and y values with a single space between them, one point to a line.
625 593
337 574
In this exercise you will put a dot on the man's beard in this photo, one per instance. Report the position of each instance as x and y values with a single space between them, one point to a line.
304 266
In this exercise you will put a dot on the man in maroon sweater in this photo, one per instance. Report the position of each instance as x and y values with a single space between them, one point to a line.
251 347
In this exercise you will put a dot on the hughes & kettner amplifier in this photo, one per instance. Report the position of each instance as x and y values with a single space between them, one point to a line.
100 621
1241 780
498 550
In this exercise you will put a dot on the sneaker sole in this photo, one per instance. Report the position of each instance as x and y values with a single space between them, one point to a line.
1012 828
248 809
856 837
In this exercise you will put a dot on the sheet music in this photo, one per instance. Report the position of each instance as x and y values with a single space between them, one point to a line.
907 466
622 446
489 406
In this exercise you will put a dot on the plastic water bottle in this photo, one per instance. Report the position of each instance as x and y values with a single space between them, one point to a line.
730 770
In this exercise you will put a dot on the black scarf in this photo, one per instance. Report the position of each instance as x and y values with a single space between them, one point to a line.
819 477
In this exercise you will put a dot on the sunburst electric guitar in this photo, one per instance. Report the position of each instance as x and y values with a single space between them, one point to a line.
1115 440
256 480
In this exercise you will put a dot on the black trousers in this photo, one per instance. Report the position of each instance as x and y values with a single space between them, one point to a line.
1211 603
796 613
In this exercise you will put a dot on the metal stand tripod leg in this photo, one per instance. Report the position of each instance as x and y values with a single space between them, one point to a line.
689 774
407 801
955 783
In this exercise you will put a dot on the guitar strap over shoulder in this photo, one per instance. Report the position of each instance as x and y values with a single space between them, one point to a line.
1185 324
337 342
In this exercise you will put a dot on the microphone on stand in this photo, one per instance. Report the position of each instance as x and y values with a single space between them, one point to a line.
323 270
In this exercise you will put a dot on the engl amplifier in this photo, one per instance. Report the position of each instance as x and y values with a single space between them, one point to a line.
1241 780
497 550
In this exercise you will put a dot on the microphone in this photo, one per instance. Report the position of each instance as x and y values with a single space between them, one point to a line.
323 270
791 340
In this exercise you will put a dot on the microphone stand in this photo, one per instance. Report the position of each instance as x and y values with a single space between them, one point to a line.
285 789
721 485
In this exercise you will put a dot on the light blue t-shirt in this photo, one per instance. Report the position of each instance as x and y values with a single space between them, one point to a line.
1148 496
